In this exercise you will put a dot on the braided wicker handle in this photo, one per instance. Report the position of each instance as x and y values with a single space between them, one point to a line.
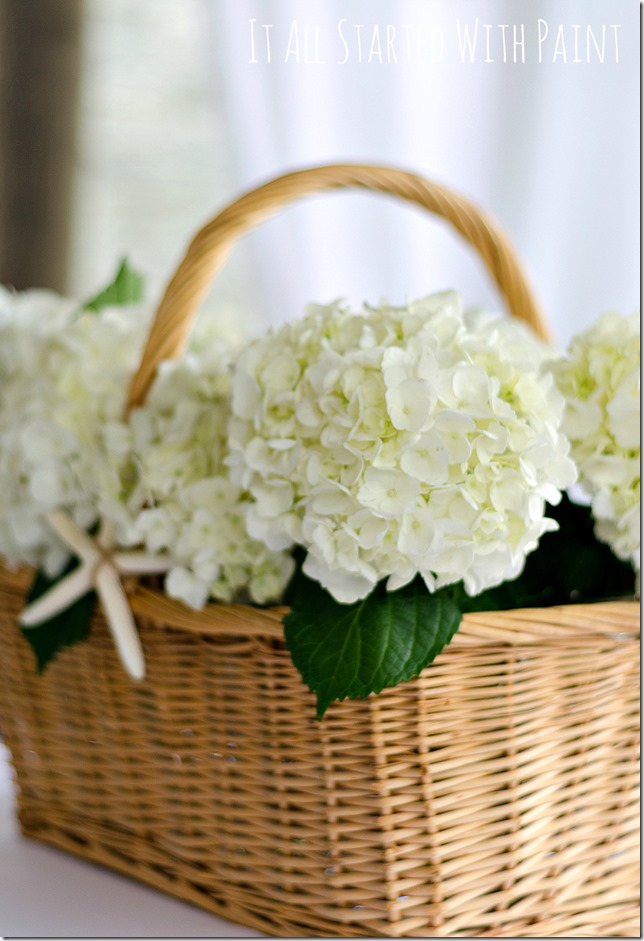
211 245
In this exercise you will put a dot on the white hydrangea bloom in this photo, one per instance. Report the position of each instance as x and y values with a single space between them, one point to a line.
166 485
600 379
160 477
399 441
63 373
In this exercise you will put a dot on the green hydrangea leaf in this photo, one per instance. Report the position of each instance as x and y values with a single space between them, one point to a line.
62 630
127 287
348 651
569 566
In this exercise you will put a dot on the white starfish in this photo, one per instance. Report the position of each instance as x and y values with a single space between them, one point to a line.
101 566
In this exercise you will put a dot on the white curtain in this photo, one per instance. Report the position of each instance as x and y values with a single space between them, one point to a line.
550 147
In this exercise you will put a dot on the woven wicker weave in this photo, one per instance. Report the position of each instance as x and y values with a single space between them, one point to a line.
496 795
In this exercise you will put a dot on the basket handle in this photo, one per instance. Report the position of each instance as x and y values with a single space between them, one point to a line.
209 249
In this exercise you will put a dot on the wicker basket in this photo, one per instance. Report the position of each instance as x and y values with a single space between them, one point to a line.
493 796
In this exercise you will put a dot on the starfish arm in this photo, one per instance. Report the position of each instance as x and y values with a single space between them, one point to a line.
57 599
106 535
120 620
143 563
73 536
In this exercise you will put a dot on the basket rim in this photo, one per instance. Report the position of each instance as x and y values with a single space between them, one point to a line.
616 621
598 621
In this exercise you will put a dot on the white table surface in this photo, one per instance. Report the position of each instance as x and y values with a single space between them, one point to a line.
45 893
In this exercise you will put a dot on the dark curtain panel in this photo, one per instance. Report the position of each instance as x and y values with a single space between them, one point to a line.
39 69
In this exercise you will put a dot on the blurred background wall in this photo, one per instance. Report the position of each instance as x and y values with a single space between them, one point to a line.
110 140
124 126
40 44
543 134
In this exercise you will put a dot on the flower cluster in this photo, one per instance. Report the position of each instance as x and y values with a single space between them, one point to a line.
63 374
399 441
165 484
600 379
388 443
160 477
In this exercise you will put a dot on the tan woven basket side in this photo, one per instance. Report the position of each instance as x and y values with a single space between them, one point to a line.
495 795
